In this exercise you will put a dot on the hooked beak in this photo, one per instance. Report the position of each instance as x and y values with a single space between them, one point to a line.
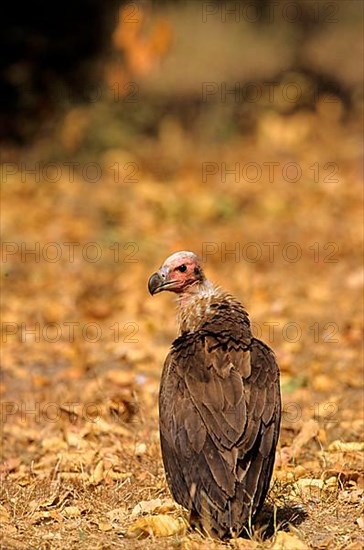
157 284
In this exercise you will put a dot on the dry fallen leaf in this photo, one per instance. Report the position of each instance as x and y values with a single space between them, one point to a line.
118 476
160 525
121 378
78 476
168 506
291 475
354 546
155 505
98 474
9 465
309 488
346 447
309 430
54 444
71 511
288 541
343 476
74 440
145 507
9 530
53 515
323 383
140 449
353 497
4 514
54 500
104 526
243 544
102 426
117 514
309 482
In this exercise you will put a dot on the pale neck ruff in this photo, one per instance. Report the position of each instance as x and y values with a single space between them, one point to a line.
194 305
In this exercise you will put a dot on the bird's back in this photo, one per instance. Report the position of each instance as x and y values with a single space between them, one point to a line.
219 416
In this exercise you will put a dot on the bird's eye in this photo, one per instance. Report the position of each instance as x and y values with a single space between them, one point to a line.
182 268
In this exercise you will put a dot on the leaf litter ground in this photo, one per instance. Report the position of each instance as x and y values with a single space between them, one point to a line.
81 463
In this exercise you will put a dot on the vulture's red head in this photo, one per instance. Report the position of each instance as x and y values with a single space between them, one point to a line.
180 273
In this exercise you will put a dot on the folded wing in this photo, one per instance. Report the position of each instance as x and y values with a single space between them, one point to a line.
219 423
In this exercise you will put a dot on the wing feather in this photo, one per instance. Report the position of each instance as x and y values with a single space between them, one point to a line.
219 422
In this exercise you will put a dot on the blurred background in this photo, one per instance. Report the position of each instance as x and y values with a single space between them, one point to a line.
130 130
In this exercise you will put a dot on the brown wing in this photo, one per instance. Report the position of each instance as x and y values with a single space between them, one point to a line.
219 424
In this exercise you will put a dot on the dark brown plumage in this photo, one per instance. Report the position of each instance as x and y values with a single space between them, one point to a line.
219 403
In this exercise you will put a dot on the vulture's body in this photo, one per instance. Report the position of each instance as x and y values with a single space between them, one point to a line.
219 407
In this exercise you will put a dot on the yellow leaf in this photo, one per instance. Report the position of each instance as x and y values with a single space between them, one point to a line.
360 522
101 426
146 506
245 544
54 444
71 511
119 476
55 499
158 526
79 476
9 530
4 514
140 449
74 440
309 430
287 541
117 514
346 447
299 472
309 488
104 526
167 506
121 378
38 517
354 546
310 482
155 505
324 383
98 474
